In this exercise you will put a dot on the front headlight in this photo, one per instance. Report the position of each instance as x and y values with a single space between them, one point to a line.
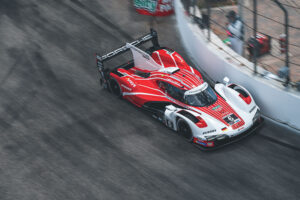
256 116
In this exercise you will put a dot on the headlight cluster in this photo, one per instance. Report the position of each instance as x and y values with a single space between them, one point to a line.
256 116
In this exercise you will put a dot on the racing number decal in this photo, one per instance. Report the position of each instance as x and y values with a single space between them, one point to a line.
231 119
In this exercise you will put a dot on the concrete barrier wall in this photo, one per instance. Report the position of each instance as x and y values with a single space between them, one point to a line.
275 101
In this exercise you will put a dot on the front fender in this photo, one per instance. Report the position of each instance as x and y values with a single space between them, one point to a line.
171 117
233 99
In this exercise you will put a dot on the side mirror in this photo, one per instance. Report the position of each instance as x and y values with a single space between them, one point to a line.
226 80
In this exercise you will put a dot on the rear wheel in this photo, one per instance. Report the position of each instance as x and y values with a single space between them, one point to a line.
184 130
115 87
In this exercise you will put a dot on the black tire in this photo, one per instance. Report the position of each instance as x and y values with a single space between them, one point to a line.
115 88
184 130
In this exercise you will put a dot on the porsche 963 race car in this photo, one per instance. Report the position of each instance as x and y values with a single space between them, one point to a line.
159 81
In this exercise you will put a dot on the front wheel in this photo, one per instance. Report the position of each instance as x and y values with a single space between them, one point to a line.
184 130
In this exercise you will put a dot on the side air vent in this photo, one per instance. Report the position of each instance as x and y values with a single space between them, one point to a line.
189 116
142 74
118 73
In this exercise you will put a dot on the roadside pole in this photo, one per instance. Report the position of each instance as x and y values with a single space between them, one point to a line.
241 15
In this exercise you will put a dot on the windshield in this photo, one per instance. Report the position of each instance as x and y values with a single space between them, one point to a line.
206 97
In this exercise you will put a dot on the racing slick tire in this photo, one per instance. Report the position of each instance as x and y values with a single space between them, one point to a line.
184 130
115 88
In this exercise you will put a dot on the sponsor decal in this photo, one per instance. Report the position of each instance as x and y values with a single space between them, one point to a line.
200 142
149 5
131 82
154 7
165 6
127 88
220 109
123 48
210 131
241 128
231 119
223 111
224 129
238 124
210 144
218 106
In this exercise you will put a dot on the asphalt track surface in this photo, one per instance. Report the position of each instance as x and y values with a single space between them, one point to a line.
62 137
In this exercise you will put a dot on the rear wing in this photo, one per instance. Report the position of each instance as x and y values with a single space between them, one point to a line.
152 36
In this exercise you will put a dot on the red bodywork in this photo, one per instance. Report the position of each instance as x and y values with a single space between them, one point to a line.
139 89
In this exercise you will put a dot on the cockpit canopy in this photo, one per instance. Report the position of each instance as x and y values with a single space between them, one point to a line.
200 96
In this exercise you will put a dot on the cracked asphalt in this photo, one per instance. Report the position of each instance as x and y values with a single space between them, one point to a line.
63 137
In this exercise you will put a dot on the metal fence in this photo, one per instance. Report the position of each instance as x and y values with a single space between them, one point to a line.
206 21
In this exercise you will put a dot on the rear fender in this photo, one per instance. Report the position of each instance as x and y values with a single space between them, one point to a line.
126 83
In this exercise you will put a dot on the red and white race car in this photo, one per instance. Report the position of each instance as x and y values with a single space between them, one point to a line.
161 82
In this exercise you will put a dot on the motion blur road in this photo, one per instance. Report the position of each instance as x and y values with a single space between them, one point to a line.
62 137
